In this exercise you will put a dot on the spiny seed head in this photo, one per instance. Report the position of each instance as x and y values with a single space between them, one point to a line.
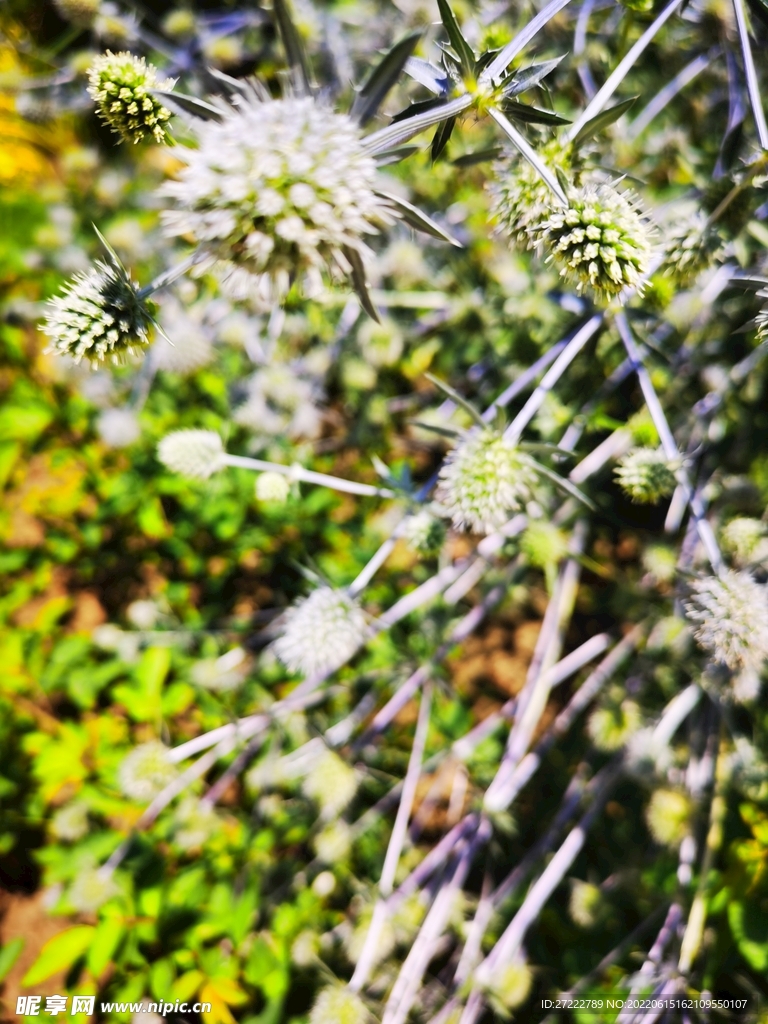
424 532
99 315
600 241
272 487
70 822
79 12
645 475
91 890
667 816
742 536
146 771
611 726
331 782
521 200
661 562
193 453
690 247
321 632
731 616
586 905
274 191
337 1005
483 480
122 86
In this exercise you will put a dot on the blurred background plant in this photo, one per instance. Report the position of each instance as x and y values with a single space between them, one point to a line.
183 817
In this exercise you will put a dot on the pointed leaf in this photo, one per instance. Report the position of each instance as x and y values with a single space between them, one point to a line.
232 85
360 284
561 482
394 156
413 216
395 134
9 954
294 47
532 115
463 50
420 107
427 74
442 137
459 399
442 431
59 953
478 157
529 77
382 78
184 104
530 154
545 449
602 120
115 259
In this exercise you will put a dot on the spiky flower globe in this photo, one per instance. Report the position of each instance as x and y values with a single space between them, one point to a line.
146 771
611 726
321 632
742 537
281 401
122 86
510 987
195 822
646 476
601 241
668 815
91 890
586 905
731 616
100 315
483 480
690 247
338 1005
276 190
272 487
331 782
79 12
424 532
70 822
520 200
193 453
543 543
333 843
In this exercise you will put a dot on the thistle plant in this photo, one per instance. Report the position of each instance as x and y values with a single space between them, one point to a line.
730 613
521 201
321 632
645 475
145 771
123 87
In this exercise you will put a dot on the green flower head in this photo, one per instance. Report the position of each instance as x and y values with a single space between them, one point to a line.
645 475
122 86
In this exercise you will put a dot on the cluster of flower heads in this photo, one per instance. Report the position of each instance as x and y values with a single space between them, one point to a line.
122 86
321 632
731 616
645 475
276 189
521 199
600 241
101 314
483 480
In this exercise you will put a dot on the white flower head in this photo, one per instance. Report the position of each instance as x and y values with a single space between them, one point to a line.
118 428
224 673
668 816
600 241
333 843
742 538
690 247
70 822
338 1005
731 616
321 632
146 771
272 487
331 782
645 475
91 890
197 454
100 315
483 480
424 532
123 87
276 189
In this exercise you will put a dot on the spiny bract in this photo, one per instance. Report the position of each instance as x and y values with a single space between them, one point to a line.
483 480
645 475
731 612
277 189
99 315
321 632
600 241
193 453
122 86
521 200
337 1005
146 771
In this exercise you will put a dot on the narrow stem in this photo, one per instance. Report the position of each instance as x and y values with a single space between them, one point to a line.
168 276
618 75
753 87
297 472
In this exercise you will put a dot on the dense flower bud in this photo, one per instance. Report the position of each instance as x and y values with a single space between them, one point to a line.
645 475
122 86
321 632
483 480
510 987
146 771
193 453
70 822
424 532
600 241
690 247
276 189
612 725
586 905
337 1005
272 487
742 538
521 200
731 613
118 428
667 816
99 315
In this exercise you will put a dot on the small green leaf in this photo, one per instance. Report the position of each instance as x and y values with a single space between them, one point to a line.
459 399
463 50
105 942
9 954
442 137
529 77
532 115
189 105
561 482
421 107
442 431
478 157
602 120
59 954
294 48
382 78
359 282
